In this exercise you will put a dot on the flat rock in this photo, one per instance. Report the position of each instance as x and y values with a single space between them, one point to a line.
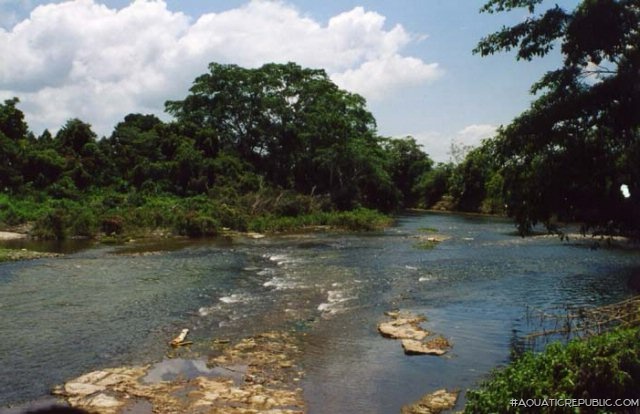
403 326
80 388
104 402
413 347
269 357
434 403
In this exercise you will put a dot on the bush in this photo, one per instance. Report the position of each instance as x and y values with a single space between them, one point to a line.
84 223
602 367
193 224
53 226
112 225
359 219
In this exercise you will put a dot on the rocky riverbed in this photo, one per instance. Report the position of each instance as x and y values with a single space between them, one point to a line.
255 375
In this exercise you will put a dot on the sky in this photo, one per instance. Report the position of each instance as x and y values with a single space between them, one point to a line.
99 60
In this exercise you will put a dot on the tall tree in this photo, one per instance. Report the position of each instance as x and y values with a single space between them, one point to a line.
76 142
568 155
13 140
292 124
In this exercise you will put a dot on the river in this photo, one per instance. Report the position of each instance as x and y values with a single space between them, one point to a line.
119 305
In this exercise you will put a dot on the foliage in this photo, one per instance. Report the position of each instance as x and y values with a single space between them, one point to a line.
408 164
433 185
272 149
294 126
567 156
475 183
357 220
601 367
427 244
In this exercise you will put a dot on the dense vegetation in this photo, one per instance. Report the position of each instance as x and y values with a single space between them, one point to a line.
602 367
250 146
274 148
574 155
567 157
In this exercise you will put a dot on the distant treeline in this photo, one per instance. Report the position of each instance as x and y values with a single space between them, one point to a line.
246 149
250 149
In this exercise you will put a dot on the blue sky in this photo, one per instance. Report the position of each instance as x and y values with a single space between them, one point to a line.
100 60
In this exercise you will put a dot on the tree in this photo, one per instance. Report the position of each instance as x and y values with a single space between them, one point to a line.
433 185
292 125
472 182
76 142
13 137
407 165
567 156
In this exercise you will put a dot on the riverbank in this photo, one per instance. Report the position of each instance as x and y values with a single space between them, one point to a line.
605 367
10 235
119 217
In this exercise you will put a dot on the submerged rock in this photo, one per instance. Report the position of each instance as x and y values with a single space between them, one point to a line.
434 403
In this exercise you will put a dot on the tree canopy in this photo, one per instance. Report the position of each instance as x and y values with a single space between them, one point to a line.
568 155
245 146
295 126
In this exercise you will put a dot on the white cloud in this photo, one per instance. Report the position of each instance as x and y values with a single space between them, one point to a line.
438 145
376 78
474 134
82 59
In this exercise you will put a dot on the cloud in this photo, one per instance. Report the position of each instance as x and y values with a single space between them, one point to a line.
474 134
438 145
377 78
83 59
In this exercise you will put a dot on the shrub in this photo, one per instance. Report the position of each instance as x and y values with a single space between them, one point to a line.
193 224
602 367
52 226
84 223
112 225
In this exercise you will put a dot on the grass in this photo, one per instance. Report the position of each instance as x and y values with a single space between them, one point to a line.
7 255
428 230
427 244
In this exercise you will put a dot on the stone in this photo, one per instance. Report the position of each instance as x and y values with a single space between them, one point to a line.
403 326
413 347
268 357
434 403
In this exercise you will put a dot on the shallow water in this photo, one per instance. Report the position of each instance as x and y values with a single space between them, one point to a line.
106 306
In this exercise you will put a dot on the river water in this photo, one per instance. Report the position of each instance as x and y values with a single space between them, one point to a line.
111 306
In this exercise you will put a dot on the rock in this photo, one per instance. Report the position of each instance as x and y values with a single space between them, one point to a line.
268 357
433 403
403 326
412 347
104 403
78 388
